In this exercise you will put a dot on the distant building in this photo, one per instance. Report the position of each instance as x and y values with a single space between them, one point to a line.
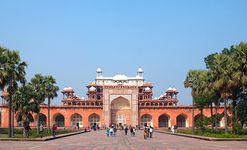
119 100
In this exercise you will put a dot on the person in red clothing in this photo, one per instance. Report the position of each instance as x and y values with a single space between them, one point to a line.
54 128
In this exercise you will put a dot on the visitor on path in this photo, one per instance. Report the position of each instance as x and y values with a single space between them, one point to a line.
126 130
131 130
173 129
41 130
107 131
145 133
54 128
111 131
115 130
134 131
150 131
27 130
77 126
94 127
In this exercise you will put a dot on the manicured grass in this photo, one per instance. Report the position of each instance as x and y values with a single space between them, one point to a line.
217 133
18 132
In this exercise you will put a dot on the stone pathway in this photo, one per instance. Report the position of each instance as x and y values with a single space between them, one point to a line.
97 140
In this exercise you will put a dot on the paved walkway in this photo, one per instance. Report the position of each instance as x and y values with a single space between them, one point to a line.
98 140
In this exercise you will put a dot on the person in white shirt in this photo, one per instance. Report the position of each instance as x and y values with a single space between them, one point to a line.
150 131
173 129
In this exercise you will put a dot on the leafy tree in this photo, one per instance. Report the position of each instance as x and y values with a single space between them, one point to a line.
220 68
25 105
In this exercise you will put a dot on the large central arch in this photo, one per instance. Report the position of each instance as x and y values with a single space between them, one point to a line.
120 111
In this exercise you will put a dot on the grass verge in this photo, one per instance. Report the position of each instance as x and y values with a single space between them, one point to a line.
217 133
18 132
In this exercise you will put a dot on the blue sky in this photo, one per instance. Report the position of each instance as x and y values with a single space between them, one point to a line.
70 39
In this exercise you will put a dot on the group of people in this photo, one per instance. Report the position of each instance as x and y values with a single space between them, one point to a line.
148 132
132 130
111 131
95 127
54 129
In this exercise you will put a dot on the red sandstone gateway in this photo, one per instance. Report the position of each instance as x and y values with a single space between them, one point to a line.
116 100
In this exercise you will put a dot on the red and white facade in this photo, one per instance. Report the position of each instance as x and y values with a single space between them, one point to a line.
117 100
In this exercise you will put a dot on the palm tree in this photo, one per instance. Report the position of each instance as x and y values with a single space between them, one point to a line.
3 66
238 54
12 73
192 81
38 84
50 92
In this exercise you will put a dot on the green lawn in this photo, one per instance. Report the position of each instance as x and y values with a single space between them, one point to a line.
219 133
18 132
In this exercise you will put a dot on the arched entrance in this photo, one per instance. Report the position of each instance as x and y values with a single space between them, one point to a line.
59 120
181 120
42 119
93 120
76 119
164 121
146 120
120 111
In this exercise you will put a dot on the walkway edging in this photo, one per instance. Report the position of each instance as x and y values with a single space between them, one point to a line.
202 137
43 139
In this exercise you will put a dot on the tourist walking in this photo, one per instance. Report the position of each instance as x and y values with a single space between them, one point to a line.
172 129
77 126
145 133
150 131
54 128
126 130
134 131
107 131
41 130
27 130
131 130
115 130
111 131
